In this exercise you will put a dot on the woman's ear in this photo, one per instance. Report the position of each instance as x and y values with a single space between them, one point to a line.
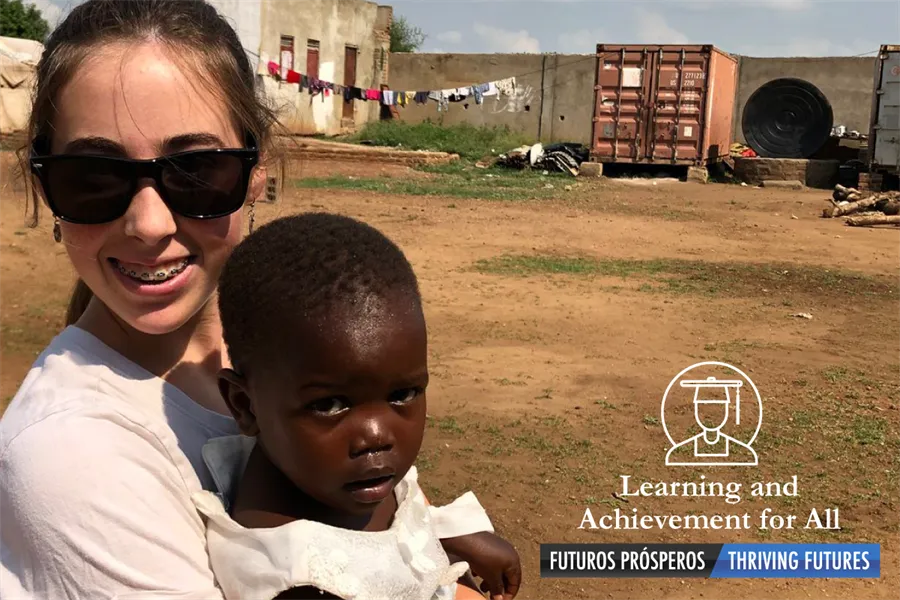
234 390
257 183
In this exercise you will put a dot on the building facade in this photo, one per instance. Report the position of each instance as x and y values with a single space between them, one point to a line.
345 42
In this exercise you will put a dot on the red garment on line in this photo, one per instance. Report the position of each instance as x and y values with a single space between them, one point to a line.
293 77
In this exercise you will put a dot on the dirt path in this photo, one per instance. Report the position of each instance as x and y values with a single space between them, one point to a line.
546 387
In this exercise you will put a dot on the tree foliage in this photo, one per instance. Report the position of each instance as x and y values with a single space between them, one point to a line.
405 37
20 21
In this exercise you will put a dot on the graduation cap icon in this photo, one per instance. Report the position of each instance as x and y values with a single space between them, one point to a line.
708 393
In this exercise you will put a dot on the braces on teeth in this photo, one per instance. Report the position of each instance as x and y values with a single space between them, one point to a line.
160 275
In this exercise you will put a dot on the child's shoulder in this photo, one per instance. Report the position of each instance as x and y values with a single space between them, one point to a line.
404 561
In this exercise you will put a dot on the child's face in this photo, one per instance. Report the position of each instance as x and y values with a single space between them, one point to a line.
342 413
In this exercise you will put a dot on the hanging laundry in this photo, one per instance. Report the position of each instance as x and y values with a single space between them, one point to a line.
304 82
359 93
506 86
491 89
479 91
373 95
387 98
293 77
401 98
274 69
348 94
421 97
458 94
441 97
316 86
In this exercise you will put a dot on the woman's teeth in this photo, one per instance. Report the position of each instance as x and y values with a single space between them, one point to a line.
155 274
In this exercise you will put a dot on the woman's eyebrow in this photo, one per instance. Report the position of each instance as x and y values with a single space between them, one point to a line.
190 140
94 145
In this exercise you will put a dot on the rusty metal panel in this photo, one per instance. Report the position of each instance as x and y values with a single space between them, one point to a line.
662 104
884 126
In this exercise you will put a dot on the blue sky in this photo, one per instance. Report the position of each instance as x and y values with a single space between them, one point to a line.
749 27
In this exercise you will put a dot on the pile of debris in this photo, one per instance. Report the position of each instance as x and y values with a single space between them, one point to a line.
564 157
881 208
739 150
841 131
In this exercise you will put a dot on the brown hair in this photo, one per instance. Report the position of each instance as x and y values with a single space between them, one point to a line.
201 40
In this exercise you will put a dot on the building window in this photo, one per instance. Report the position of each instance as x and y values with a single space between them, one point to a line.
312 58
287 55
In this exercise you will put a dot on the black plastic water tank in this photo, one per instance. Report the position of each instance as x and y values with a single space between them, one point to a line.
787 118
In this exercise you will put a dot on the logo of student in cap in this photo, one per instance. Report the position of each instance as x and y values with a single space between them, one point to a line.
724 403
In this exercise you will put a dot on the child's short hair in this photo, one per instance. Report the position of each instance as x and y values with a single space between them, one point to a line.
299 267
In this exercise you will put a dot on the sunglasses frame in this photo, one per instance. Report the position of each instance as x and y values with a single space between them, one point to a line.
151 168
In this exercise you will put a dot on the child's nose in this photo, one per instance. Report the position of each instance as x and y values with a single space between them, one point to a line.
374 435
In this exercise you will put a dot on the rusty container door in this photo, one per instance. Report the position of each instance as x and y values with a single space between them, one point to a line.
662 104
884 127
349 79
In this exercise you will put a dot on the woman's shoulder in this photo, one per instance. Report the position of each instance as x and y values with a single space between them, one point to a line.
67 384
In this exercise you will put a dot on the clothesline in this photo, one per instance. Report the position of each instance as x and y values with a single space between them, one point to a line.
389 97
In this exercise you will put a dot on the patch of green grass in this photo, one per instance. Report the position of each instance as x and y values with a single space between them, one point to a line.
484 188
605 404
447 424
469 141
698 277
648 420
868 430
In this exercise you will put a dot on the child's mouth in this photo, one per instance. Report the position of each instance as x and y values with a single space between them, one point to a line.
372 490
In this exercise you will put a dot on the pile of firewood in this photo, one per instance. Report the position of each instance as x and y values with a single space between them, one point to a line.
882 208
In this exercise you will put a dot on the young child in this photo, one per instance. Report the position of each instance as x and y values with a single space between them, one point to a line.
324 326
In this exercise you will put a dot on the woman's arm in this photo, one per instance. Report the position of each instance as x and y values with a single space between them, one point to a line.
93 506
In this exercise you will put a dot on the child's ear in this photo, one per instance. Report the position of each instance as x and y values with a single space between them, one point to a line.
234 390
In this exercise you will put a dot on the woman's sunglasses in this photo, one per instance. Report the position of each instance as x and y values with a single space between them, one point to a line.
90 189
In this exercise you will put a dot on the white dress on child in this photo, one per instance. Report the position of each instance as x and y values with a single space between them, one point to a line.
405 562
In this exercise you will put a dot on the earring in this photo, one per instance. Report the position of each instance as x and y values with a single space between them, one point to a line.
57 232
252 215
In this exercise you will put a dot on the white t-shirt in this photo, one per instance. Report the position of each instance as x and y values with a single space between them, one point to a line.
98 461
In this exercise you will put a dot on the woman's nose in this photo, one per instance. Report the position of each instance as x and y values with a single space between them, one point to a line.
148 218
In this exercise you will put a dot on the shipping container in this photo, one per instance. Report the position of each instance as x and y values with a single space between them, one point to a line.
884 130
663 104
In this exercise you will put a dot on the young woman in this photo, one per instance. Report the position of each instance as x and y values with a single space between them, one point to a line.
147 133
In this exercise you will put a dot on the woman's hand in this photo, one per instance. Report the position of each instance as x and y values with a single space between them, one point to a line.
492 558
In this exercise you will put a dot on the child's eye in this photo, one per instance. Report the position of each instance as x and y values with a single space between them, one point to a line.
405 396
328 406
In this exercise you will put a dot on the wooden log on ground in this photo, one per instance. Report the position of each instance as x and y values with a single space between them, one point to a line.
859 205
873 219
891 207
842 194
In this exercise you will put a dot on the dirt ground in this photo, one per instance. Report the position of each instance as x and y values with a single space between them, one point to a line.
547 377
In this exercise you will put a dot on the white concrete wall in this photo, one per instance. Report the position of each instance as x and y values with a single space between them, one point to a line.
335 24
246 18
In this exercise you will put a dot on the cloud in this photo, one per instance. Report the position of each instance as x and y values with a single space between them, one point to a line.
810 47
782 5
652 28
51 11
449 37
582 41
499 40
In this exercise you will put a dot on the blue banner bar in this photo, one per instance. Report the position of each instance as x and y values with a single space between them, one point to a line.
743 561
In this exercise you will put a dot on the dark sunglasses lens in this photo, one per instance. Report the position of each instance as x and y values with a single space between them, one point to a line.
88 189
205 184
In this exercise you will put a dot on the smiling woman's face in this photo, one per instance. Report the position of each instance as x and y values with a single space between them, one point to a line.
133 101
